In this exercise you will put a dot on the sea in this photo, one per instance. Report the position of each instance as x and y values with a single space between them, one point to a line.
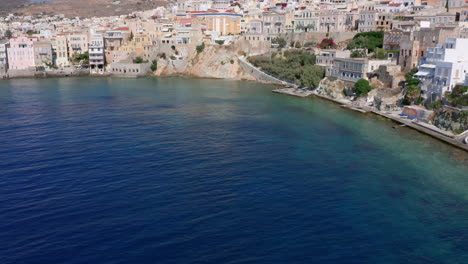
181 170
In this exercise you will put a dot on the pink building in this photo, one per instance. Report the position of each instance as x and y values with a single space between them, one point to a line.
77 43
21 53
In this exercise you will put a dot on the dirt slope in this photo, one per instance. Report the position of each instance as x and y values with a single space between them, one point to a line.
81 8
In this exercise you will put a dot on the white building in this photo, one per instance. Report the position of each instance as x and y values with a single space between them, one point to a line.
96 52
443 68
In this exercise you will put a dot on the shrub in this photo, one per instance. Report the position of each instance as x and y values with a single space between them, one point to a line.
83 58
231 61
413 92
280 41
327 43
200 48
461 101
8 34
219 42
419 101
380 54
362 87
367 40
435 105
139 60
310 44
459 90
173 57
358 54
154 65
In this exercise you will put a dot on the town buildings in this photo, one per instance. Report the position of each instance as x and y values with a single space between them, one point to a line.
414 31
21 53
444 67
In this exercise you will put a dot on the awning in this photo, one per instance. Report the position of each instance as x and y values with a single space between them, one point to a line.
430 66
423 74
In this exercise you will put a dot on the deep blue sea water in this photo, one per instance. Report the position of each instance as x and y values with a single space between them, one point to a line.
182 170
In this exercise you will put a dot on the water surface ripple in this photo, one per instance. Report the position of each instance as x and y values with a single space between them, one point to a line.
210 171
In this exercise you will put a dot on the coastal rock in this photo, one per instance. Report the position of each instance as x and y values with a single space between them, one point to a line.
385 99
333 88
451 119
214 62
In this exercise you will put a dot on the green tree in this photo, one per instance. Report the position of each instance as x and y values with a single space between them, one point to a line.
83 58
362 87
130 38
200 48
154 65
413 92
8 34
380 54
435 105
280 41
311 76
367 40
139 60
219 42
358 54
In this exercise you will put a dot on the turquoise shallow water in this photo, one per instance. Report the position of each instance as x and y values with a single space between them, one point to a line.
183 170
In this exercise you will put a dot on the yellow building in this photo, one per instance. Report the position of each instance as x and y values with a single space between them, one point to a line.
136 45
61 49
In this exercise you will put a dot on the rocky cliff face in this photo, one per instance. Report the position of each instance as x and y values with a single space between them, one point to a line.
451 120
213 62
385 99
333 88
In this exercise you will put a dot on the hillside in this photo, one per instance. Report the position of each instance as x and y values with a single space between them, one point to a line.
81 8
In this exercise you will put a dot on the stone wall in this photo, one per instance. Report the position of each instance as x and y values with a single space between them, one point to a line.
129 69
317 37
46 74
3 71
390 75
